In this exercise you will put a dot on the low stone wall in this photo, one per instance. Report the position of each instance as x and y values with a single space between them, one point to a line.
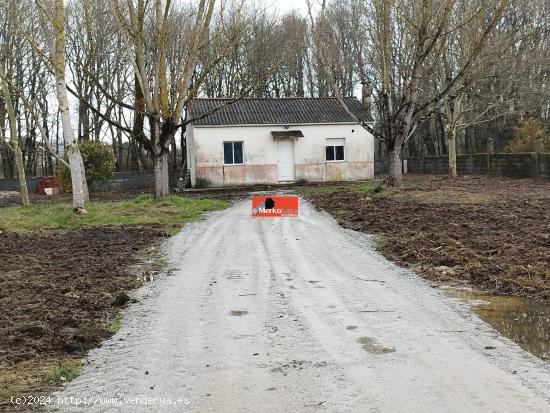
519 165
121 181
124 181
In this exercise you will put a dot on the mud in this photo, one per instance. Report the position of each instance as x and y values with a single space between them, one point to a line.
525 321
371 345
238 313
492 233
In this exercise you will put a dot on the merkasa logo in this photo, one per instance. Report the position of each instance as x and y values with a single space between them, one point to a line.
275 206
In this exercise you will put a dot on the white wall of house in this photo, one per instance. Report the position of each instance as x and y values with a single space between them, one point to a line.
206 154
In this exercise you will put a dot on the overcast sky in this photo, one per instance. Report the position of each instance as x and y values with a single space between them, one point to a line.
287 5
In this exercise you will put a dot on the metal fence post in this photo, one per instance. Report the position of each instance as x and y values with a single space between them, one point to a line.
490 151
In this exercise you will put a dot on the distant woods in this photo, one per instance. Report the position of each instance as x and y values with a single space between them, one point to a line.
437 75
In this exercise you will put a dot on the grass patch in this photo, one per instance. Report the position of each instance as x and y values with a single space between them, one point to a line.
27 377
380 241
66 370
114 325
141 210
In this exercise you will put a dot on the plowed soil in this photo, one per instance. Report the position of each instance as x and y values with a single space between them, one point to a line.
488 232
57 292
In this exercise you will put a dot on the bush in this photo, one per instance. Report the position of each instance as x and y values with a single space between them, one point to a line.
525 136
99 162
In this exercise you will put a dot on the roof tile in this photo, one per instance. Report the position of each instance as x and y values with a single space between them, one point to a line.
274 111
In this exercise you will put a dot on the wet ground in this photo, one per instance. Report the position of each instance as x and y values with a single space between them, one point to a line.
523 320
298 314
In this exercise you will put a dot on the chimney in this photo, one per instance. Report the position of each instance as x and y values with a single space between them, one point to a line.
366 91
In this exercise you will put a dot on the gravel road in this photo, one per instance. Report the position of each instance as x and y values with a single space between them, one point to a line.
300 315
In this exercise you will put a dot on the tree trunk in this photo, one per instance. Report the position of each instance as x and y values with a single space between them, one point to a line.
80 192
21 175
83 120
396 171
300 79
14 140
78 174
451 143
161 175
119 152
2 136
1 155
174 155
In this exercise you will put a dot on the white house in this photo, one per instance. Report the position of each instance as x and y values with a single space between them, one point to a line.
270 141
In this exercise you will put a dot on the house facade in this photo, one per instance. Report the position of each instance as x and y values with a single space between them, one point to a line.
271 141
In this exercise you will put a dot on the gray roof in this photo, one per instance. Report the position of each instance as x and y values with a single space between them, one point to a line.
274 111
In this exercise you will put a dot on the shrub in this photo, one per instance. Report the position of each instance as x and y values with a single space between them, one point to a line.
99 163
525 136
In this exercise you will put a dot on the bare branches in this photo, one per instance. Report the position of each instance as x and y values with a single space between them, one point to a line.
32 110
473 67
98 112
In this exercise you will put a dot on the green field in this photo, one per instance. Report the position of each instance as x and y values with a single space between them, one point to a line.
141 210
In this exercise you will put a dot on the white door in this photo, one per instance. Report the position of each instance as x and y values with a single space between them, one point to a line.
286 160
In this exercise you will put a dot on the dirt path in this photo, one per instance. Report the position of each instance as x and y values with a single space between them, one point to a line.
274 315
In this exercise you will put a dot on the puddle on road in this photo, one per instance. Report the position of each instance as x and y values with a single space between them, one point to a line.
525 321
238 313
370 345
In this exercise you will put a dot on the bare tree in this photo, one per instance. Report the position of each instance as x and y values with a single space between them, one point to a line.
152 83
433 67
506 82
483 92
421 39
14 140
405 42
53 15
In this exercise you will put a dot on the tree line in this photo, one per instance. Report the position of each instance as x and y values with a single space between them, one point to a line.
439 77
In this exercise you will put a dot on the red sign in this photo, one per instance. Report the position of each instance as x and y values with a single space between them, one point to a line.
275 206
